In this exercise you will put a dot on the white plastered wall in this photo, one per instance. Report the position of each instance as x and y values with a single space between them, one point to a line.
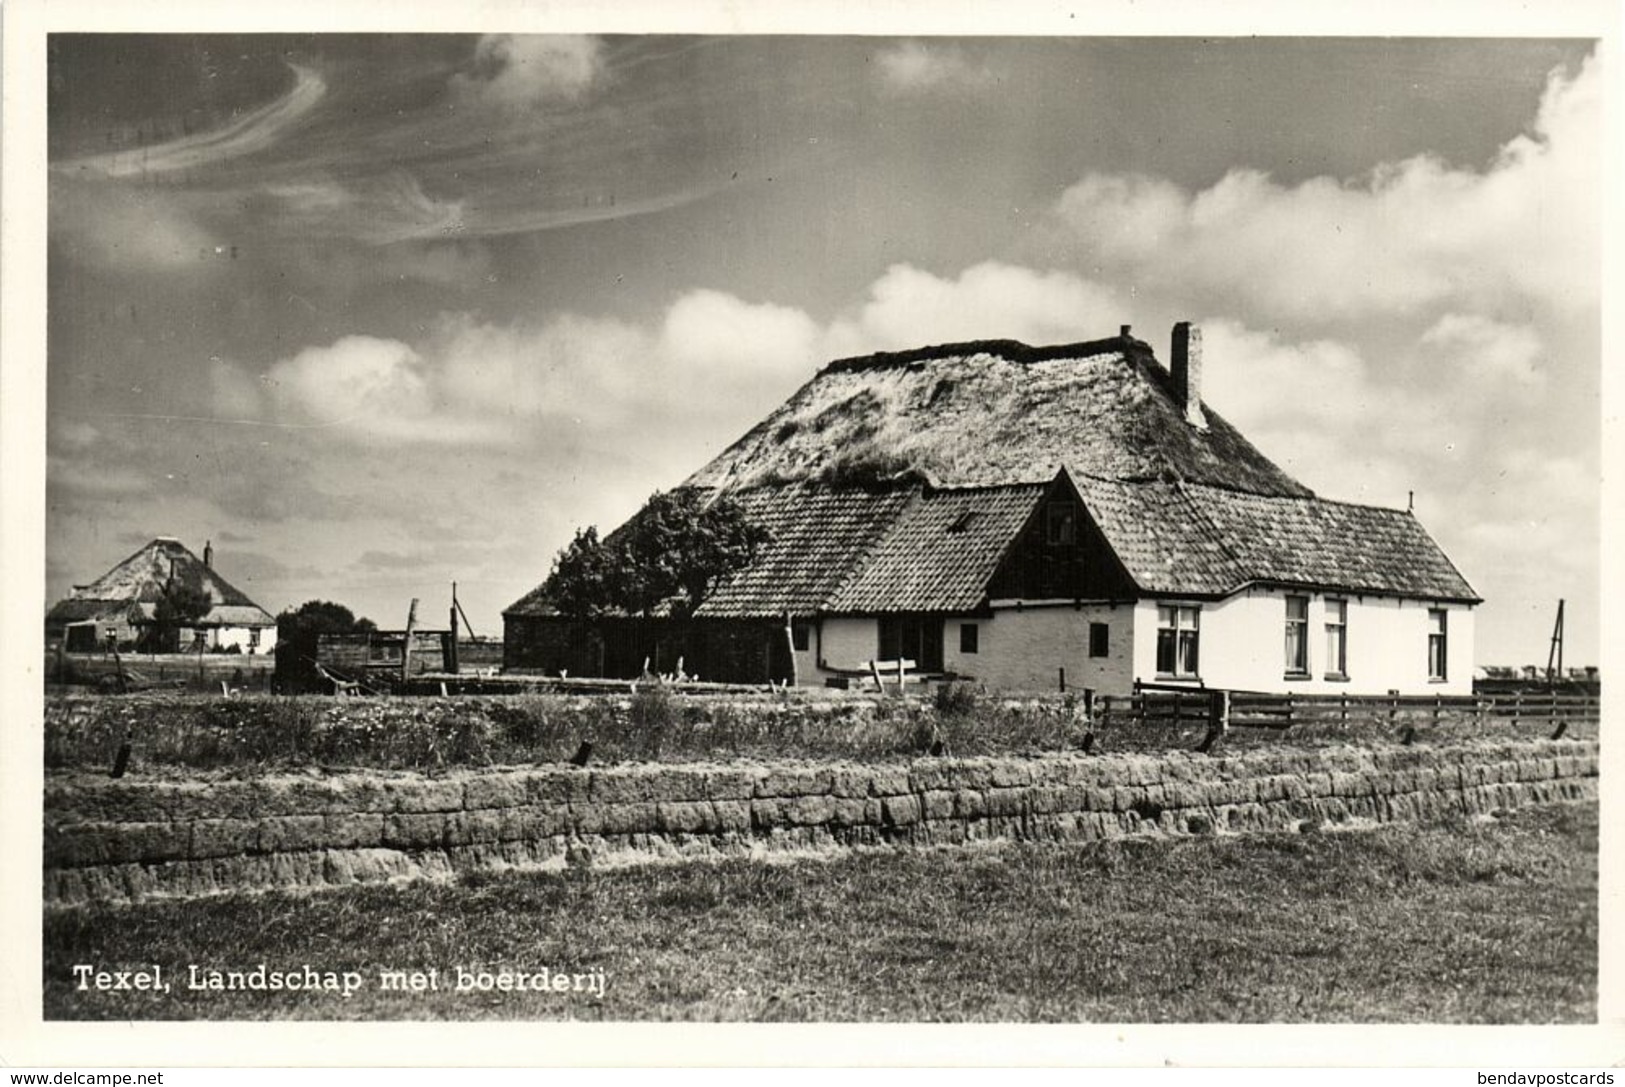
1243 645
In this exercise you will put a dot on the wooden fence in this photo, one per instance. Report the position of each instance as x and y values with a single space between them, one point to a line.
1279 711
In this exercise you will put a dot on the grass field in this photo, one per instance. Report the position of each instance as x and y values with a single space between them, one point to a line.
1492 921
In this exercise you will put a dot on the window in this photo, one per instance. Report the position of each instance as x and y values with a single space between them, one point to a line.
1297 635
1060 525
969 638
253 637
1097 639
800 636
1437 650
1337 639
1176 640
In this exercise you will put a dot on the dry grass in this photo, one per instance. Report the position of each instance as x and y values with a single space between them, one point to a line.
1484 922
254 734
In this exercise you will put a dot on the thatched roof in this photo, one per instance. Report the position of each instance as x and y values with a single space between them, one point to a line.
994 413
136 585
899 481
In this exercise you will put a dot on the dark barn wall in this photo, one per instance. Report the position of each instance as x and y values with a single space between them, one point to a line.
722 650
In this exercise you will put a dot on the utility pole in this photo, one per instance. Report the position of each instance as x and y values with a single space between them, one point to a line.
406 644
1556 651
451 646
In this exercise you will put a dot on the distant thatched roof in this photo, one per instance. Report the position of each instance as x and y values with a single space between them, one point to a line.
994 413
135 586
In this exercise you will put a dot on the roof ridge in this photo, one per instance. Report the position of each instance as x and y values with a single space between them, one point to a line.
1009 350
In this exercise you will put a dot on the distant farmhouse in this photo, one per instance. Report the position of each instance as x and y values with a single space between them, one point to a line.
122 605
1025 517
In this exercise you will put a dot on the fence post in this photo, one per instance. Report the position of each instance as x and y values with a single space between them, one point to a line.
1089 704
1062 671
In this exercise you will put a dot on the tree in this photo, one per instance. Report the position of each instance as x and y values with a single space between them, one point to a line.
320 617
671 555
583 582
182 604
298 630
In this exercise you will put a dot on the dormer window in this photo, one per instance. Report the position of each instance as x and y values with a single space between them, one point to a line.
962 522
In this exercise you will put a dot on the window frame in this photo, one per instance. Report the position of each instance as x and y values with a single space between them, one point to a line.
1060 525
1179 641
1296 647
1337 634
970 638
1099 640
1438 645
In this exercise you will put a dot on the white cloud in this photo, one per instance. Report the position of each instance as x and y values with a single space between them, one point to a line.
908 307
1406 237
914 67
254 131
1489 348
523 71
717 334
713 356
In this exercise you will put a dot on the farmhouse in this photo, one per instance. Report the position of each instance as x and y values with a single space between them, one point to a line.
123 604
1030 517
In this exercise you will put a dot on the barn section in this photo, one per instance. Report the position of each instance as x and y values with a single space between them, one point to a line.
1032 517
123 602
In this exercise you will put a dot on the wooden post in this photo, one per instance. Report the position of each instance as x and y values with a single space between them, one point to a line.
118 665
790 644
406 645
451 646
1089 704
874 669
901 676
1063 678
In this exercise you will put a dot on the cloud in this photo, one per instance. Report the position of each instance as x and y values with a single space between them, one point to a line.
486 384
389 207
1488 348
255 131
908 307
519 72
123 228
915 68
1405 237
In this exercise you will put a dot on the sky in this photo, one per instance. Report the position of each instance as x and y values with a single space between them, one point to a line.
374 314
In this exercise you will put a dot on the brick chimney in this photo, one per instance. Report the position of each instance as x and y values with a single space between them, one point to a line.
1185 364
208 553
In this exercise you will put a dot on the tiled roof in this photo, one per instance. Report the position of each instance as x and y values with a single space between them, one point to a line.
143 577
993 414
940 553
1188 538
816 536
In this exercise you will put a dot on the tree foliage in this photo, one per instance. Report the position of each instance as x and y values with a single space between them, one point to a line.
668 558
320 617
182 604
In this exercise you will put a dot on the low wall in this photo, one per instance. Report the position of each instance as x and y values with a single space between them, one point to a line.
128 840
